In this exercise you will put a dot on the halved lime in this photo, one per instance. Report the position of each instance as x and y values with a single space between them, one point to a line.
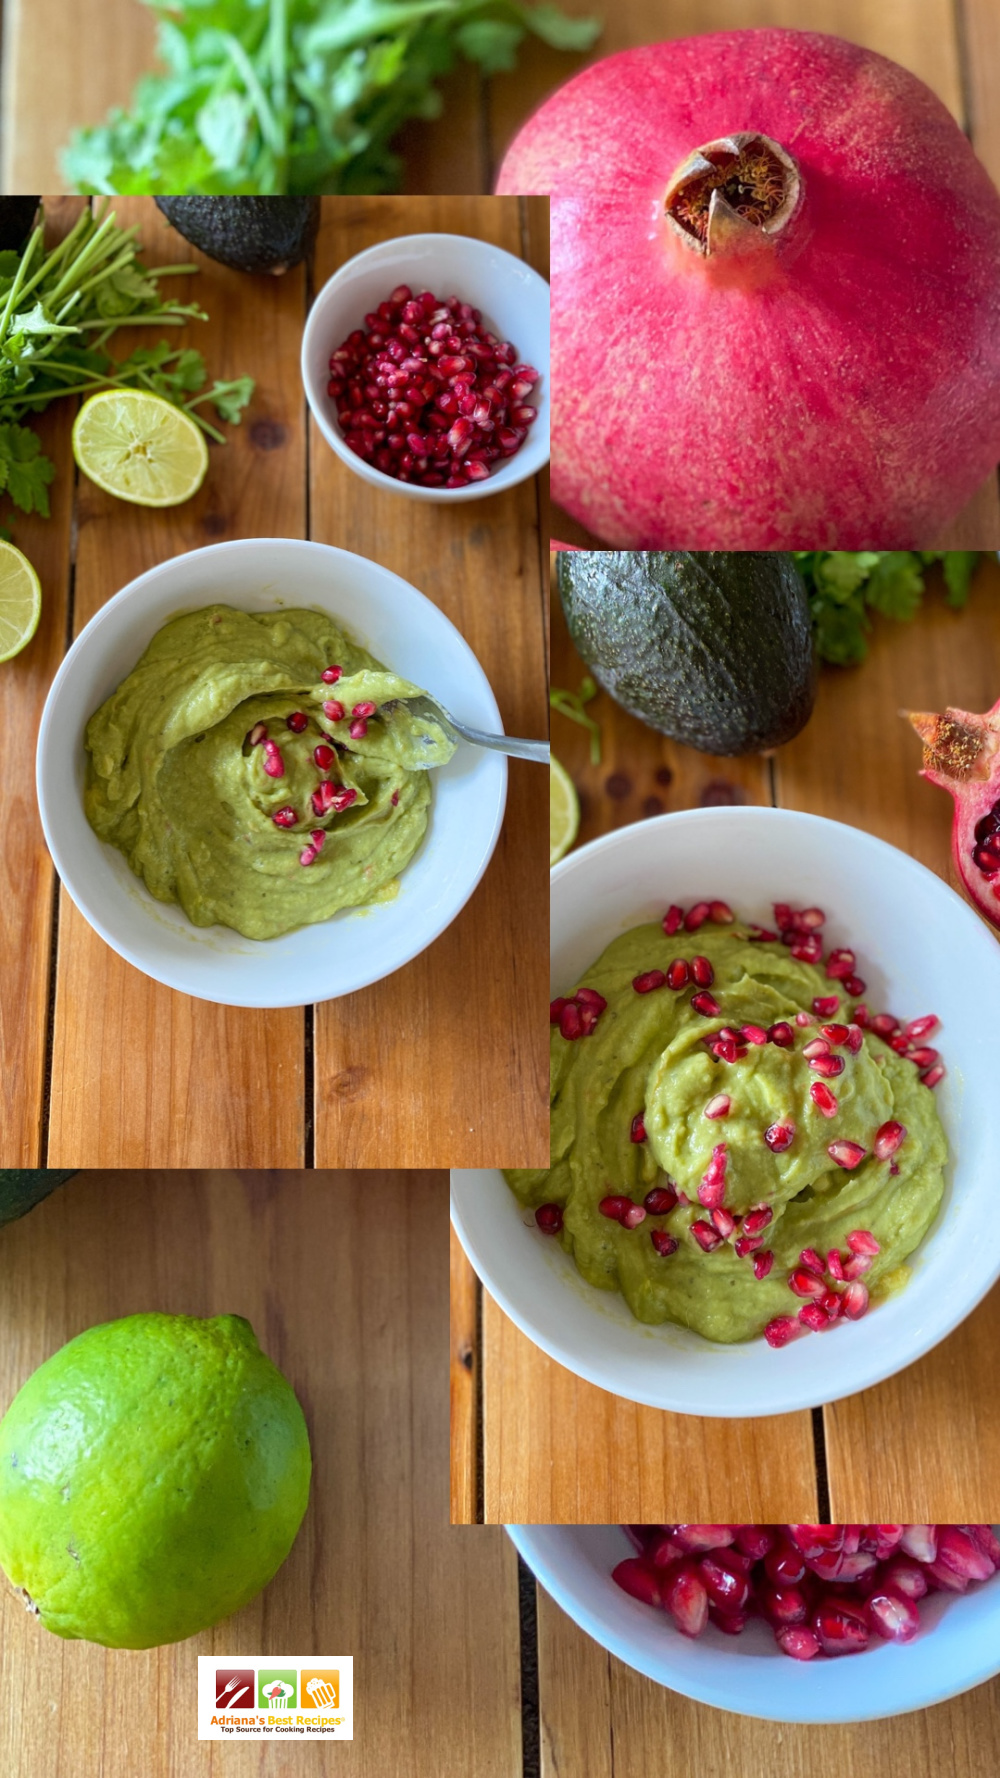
564 811
20 601
140 447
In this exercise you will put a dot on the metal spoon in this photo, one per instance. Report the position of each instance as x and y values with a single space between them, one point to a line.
518 749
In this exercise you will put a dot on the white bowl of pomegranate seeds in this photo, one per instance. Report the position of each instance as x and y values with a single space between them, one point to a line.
400 627
956 1647
920 951
426 365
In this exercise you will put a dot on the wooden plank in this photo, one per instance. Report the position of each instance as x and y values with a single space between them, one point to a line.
464 1387
358 1326
559 1451
980 27
602 1719
911 1442
27 898
140 1072
474 1002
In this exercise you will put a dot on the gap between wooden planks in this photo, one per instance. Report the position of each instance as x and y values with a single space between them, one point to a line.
926 1444
357 1324
435 1067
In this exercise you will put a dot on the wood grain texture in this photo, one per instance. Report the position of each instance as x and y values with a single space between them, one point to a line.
464 1387
358 1326
602 1720
445 1062
926 1443
141 1073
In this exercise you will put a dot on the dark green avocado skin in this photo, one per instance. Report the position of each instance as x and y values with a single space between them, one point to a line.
250 234
17 217
711 647
22 1188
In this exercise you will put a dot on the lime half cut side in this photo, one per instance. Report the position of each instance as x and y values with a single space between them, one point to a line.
140 447
564 811
20 601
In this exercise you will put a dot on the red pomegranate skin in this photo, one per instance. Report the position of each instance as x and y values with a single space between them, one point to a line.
842 390
962 756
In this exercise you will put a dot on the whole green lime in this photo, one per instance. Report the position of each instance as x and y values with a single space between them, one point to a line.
153 1475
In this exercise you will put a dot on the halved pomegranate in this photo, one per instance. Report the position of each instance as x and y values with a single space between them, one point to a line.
962 755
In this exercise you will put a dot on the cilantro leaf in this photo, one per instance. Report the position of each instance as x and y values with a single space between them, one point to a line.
25 471
844 586
959 566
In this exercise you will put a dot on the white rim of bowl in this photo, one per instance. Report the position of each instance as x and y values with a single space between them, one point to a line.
49 717
498 480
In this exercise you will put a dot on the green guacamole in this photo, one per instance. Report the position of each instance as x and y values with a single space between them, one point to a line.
647 1054
176 781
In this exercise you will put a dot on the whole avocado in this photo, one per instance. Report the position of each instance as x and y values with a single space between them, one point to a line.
21 1188
713 648
250 234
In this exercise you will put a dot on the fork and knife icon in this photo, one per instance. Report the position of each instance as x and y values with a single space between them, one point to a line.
222 1697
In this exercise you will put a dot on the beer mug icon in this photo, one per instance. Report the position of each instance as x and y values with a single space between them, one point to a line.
322 1693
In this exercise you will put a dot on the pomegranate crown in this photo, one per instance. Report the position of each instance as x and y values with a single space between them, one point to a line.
733 196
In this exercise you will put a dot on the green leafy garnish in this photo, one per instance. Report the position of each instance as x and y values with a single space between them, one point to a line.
58 311
297 96
571 704
845 586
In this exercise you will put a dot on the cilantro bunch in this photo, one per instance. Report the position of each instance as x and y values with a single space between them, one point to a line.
845 586
297 96
57 312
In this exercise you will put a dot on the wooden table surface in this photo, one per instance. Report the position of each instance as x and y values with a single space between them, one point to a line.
443 1063
530 1441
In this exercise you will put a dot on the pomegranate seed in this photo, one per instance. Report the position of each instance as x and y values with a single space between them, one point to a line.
342 799
257 734
664 1243
919 1028
297 721
660 1200
284 817
832 1304
779 1137
686 1600
635 1578
798 1641
781 1034
835 1265
631 1218
756 1221
747 1244
720 913
762 1264
884 1024
958 1552
825 1005
839 963
923 1058
783 1329
760 935
696 916
677 974
854 985
330 675
706 1236
570 1022
804 1283
590 997
855 1300
933 1075
364 709
673 919
862 1017
828 1066
705 1004
782 914
720 1106
358 729
754 1034
857 1265
324 757
724 1222
307 855
840 1626
835 1034
815 1317
322 798
854 1039
810 919
274 765
903 1576
702 972
725 1049
812 1261
887 1139
808 949
892 1616
549 1218
804 1018
638 1130
863 1241
647 983
333 710
614 1207
847 1155
818 1047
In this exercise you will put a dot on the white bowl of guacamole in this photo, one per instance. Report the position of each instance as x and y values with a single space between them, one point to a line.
958 1646
689 1339
158 773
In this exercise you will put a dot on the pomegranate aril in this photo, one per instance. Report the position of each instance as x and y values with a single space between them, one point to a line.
924 1057
884 1024
825 1005
855 1037
813 1261
549 1218
343 798
726 1587
635 1578
847 1155
632 1216
707 1237
835 1265
637 1133
686 1600
855 1300
664 1243
324 757
677 974
333 710
781 1034
806 1284
779 1137
863 1241
756 1221
760 935
783 1329
762 1263
808 949
857 1265
673 919
284 817
614 1207
892 1616
297 721
697 915
933 1075
358 728
660 1200
854 985
649 982
745 1245
754 1034
274 765
957 1551
702 972
835 1034
322 798
705 1004
720 1106
841 1626
782 1604
724 1223
887 1139
920 1028
828 1066
818 1046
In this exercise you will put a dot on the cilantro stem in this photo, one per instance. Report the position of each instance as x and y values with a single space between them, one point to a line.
571 704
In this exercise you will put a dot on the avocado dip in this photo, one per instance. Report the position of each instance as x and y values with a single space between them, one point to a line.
628 1119
248 770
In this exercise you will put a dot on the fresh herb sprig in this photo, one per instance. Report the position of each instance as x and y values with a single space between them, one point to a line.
846 586
297 96
58 310
571 704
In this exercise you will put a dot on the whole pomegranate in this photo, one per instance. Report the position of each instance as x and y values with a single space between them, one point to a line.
962 755
775 296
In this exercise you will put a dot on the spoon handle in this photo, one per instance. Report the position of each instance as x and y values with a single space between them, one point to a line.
518 749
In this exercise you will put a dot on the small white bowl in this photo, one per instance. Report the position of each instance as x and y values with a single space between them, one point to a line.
958 1645
514 302
401 628
921 950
